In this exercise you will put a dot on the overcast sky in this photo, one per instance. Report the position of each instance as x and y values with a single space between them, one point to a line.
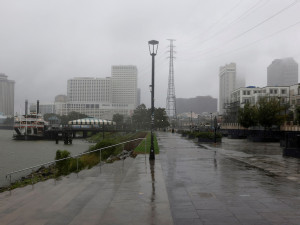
44 43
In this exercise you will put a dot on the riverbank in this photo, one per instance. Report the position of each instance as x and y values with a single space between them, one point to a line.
16 155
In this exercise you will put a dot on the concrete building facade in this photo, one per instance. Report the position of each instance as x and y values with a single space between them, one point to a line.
7 95
124 84
101 97
251 94
282 72
227 84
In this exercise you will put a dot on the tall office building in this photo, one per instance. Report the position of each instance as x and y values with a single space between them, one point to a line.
7 95
89 89
227 84
103 97
124 84
283 72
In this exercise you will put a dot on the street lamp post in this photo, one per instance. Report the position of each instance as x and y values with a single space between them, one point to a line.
215 126
153 46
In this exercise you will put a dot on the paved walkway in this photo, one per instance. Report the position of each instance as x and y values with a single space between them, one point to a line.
131 194
206 186
187 184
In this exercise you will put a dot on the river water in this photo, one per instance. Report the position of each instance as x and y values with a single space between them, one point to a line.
16 155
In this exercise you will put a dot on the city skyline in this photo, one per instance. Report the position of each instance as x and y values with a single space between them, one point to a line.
43 44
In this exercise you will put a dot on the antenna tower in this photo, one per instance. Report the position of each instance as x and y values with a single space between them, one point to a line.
171 98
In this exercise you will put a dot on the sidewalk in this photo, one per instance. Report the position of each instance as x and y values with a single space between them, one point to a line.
187 184
264 156
206 185
131 194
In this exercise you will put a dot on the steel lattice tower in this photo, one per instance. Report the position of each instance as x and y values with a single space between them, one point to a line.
171 98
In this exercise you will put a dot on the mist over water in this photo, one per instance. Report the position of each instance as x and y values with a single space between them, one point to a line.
16 155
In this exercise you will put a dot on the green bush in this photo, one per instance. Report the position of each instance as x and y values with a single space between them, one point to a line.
106 152
62 166
208 135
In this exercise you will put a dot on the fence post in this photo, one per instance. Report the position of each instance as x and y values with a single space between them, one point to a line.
123 157
77 165
54 173
145 146
32 178
10 184
100 161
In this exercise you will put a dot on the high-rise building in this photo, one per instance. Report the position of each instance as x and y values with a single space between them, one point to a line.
7 95
103 97
227 84
124 84
283 72
89 89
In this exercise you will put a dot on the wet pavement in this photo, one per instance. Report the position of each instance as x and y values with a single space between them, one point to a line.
210 185
234 182
129 193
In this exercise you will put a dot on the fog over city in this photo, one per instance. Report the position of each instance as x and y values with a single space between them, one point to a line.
45 43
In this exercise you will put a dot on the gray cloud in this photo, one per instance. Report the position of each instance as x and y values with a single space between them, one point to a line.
45 43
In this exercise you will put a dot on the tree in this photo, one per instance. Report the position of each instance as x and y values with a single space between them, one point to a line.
160 118
48 115
248 116
268 112
72 116
297 114
119 119
141 117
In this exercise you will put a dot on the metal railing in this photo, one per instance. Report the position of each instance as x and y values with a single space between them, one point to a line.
9 175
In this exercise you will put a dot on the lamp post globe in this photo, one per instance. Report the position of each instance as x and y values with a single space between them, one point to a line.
153 46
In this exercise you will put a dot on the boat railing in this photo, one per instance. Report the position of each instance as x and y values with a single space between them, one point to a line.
9 175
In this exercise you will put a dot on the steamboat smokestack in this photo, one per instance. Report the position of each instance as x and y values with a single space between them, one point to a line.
26 107
37 107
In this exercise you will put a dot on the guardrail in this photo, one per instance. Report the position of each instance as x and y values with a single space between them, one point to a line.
9 175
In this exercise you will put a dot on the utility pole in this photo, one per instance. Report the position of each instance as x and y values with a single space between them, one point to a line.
171 98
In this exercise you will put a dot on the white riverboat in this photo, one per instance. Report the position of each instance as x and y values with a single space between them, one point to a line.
29 127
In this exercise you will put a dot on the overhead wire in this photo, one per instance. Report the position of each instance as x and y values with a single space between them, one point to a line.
250 29
254 42
233 22
217 22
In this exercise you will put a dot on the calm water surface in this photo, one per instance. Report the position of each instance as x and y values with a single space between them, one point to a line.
15 155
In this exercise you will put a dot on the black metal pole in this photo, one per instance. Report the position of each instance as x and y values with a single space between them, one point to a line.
215 135
103 131
152 155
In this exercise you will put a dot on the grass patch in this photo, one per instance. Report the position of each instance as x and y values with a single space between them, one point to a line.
140 149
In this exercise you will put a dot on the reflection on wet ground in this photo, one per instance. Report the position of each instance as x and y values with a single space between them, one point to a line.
258 148
213 185
268 157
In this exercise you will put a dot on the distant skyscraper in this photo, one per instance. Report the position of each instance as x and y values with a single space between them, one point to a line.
227 84
283 72
124 84
7 95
